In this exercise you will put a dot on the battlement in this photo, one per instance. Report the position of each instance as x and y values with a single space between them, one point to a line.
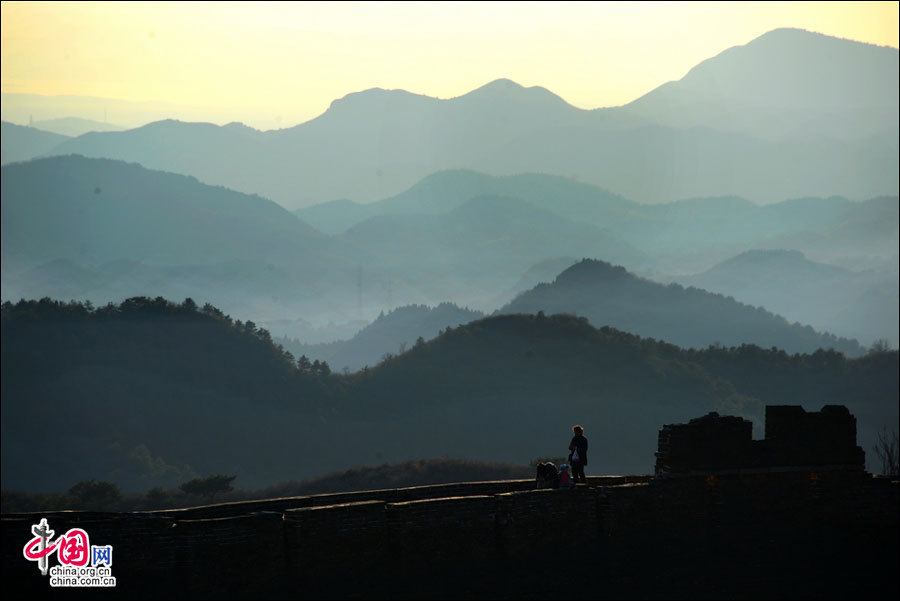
759 531
502 539
794 438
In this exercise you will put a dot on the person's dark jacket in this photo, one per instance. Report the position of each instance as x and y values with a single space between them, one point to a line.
581 444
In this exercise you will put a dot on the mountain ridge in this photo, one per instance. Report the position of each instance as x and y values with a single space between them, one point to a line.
273 418
609 295
376 143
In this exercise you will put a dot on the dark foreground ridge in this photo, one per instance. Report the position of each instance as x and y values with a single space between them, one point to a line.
808 531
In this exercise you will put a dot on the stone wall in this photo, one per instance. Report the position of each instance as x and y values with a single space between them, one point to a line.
793 438
769 533
798 437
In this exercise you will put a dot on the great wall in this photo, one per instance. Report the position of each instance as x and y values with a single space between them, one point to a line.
793 516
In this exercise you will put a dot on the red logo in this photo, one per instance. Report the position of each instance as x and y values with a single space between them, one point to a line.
71 548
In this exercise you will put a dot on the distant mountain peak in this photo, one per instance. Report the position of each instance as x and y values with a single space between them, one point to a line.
592 269
790 52
788 32
499 90
786 261
784 68
503 85
796 34
164 123
375 95
168 125
508 89
177 127
239 126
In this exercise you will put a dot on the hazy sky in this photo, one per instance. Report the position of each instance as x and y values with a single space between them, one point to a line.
278 64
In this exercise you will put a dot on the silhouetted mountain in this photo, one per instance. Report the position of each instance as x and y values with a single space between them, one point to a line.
299 331
873 313
167 388
875 221
863 236
688 317
479 248
249 289
99 210
524 374
387 139
787 283
59 278
503 89
786 82
19 143
376 143
122 230
74 126
467 236
226 155
444 191
540 273
149 393
689 235
20 108
390 334
336 216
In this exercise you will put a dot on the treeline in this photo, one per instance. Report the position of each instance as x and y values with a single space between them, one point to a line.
151 393
192 337
689 317
821 376
531 346
92 495
389 334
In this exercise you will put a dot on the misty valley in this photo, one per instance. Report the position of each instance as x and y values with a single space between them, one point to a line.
405 279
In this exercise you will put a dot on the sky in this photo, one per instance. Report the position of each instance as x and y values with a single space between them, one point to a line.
277 64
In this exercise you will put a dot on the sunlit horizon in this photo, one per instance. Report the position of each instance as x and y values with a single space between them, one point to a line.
278 64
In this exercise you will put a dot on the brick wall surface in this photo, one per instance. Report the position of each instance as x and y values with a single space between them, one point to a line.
769 533
793 438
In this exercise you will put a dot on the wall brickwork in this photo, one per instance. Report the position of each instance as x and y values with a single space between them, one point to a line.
798 533
726 517
793 438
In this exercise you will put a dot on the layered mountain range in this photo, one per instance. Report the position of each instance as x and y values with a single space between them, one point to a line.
787 283
149 393
103 230
444 269
790 114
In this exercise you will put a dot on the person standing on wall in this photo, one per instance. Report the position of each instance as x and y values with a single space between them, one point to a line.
578 455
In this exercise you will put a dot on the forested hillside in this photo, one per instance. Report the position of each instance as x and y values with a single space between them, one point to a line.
690 317
150 393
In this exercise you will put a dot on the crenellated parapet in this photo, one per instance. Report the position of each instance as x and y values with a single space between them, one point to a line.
794 439
801 531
